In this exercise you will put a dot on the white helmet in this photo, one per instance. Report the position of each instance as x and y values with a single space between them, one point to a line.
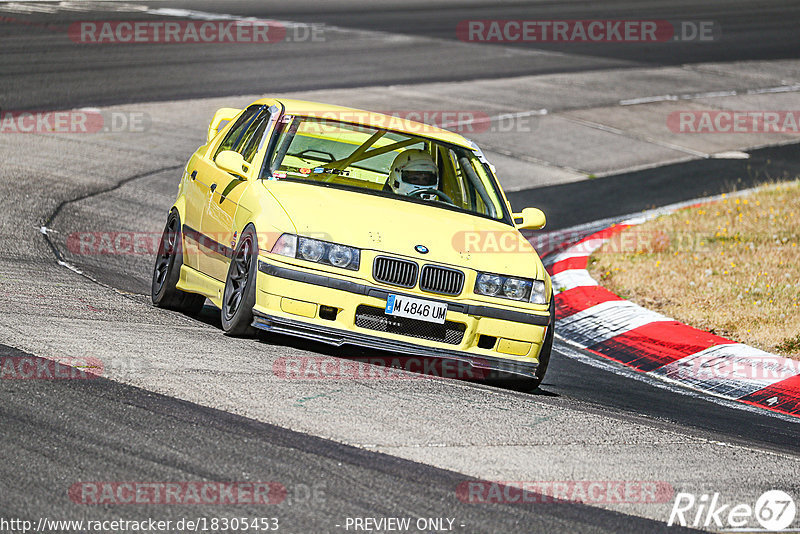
413 170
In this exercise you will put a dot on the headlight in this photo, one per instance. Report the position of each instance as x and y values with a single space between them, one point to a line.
308 249
340 256
516 289
311 249
510 287
488 284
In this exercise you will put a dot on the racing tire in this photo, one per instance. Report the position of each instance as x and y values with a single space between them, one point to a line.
167 271
547 348
239 296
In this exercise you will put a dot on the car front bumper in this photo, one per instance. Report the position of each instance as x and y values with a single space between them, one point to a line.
291 300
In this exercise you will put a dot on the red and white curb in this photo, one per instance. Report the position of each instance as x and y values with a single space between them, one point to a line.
595 319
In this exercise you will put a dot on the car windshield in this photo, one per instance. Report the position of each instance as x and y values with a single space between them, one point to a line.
382 162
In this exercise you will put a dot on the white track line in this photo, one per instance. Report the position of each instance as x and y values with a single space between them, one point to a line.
710 94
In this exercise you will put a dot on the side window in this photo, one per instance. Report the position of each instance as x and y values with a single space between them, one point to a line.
466 190
248 146
450 184
241 125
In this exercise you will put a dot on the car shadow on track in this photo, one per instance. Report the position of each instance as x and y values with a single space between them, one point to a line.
374 364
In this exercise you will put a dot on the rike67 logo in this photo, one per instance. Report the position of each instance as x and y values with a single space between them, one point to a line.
774 511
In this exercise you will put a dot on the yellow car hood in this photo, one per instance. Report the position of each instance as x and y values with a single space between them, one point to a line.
396 227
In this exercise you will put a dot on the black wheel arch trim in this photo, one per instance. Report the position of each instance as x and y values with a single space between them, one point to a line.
207 242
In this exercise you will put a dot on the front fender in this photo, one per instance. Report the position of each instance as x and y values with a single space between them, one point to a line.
261 209
180 202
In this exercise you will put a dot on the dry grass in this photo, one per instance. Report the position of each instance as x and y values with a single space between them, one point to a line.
731 267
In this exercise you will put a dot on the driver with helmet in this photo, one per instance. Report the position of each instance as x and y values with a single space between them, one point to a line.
413 171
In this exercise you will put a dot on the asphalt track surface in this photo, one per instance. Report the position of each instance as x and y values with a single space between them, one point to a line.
580 202
43 69
166 439
57 432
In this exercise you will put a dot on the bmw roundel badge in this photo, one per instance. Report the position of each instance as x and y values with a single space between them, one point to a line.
422 249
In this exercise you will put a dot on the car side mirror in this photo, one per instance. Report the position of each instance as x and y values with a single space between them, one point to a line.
531 219
221 118
232 162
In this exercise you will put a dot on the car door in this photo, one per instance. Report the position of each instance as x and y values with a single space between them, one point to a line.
225 190
195 197
203 174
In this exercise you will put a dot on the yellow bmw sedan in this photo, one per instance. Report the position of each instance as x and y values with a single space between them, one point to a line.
351 227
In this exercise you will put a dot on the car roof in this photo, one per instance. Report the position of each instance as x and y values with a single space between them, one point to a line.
370 118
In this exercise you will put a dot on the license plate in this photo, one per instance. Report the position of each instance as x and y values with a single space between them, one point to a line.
424 310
